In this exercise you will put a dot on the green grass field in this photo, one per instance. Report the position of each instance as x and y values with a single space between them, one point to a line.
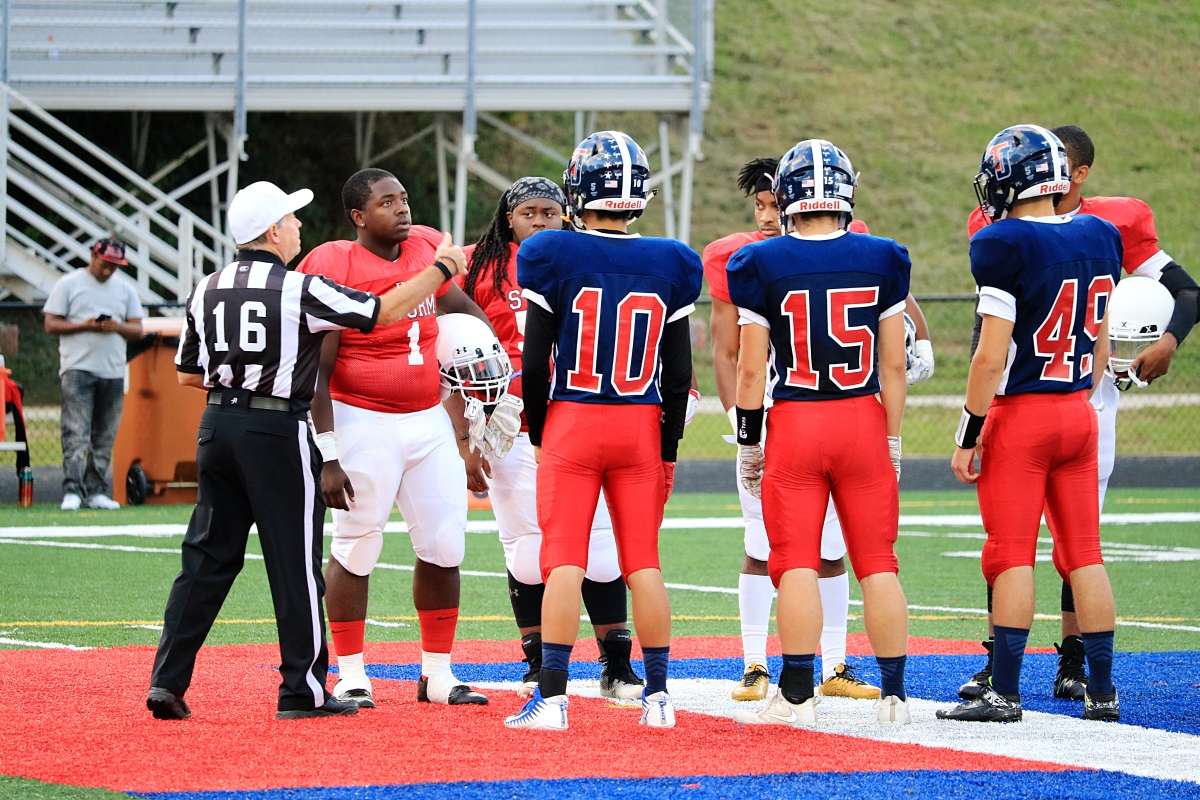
97 597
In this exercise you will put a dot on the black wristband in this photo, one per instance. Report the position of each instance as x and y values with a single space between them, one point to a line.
445 270
749 425
969 428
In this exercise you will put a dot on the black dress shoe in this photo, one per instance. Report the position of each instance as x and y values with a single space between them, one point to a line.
165 705
331 708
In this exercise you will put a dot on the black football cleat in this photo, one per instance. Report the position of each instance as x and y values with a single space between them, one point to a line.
974 687
988 707
1105 709
1071 681
165 705
447 693
331 708
617 678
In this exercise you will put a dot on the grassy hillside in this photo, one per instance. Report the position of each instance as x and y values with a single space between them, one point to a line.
912 91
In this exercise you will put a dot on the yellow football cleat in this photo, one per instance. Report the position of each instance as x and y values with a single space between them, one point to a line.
754 684
845 683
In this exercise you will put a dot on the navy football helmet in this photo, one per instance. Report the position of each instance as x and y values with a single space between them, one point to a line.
815 176
1021 162
607 172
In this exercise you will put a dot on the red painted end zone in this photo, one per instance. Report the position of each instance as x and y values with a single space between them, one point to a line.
97 732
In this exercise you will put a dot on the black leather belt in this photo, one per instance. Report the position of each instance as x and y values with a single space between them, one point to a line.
257 401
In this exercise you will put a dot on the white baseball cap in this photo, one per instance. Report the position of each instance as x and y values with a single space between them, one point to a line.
260 205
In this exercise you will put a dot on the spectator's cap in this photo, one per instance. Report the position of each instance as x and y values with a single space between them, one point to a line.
260 205
111 250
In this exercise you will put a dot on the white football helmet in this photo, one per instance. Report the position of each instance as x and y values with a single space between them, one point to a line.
471 360
1138 313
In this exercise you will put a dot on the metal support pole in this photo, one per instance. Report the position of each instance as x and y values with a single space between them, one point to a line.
664 147
579 134
443 189
185 262
4 51
695 119
231 178
214 186
466 144
239 106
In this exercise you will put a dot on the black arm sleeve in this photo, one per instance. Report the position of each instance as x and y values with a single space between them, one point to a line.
1187 297
674 384
535 369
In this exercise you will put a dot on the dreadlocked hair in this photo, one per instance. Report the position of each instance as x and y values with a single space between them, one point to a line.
753 171
491 251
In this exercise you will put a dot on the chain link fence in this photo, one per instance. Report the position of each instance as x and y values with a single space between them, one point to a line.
1163 419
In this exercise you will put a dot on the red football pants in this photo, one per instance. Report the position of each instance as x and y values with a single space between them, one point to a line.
586 446
1039 453
825 447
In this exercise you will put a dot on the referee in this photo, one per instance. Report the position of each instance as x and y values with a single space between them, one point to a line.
253 340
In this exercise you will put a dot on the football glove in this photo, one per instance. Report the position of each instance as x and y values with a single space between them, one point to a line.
505 424
476 425
693 402
669 474
750 468
894 453
920 367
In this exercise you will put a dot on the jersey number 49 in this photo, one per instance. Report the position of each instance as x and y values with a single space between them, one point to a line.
1054 339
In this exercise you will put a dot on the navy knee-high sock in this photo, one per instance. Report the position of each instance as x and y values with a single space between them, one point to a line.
891 673
656 661
1099 648
1008 654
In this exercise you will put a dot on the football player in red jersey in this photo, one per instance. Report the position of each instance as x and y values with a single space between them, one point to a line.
1141 256
395 443
531 205
755 592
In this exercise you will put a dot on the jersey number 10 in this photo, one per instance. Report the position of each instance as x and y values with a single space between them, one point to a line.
628 379
1055 337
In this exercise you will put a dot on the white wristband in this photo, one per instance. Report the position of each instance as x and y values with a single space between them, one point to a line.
327 444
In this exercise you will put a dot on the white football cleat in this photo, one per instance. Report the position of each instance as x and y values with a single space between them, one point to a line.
779 711
101 501
891 710
354 690
445 689
657 710
545 714
527 689
71 502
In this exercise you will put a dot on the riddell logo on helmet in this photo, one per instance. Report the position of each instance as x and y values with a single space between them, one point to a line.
1058 187
819 205
624 205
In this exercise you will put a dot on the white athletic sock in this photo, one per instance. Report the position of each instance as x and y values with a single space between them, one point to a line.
434 664
835 604
351 667
755 594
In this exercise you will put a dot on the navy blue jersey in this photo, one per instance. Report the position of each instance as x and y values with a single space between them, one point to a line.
822 299
611 295
1051 278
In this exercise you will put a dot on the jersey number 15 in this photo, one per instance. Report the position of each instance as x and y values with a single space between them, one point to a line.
838 303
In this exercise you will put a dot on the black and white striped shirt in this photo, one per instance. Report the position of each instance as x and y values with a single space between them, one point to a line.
254 325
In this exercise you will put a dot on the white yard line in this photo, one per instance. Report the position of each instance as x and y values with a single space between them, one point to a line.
42 645
1042 737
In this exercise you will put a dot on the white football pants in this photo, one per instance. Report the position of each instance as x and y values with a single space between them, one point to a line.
514 500
1106 399
410 460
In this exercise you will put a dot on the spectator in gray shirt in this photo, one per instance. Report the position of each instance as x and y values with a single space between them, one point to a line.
94 316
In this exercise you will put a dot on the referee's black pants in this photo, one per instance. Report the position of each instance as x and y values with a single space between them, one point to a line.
255 467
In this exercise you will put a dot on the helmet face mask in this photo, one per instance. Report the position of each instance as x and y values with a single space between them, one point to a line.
815 176
471 360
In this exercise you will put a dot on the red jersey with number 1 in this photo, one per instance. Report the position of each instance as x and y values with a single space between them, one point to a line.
716 257
393 369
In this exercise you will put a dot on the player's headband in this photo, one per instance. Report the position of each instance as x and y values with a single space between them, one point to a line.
765 183
532 188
